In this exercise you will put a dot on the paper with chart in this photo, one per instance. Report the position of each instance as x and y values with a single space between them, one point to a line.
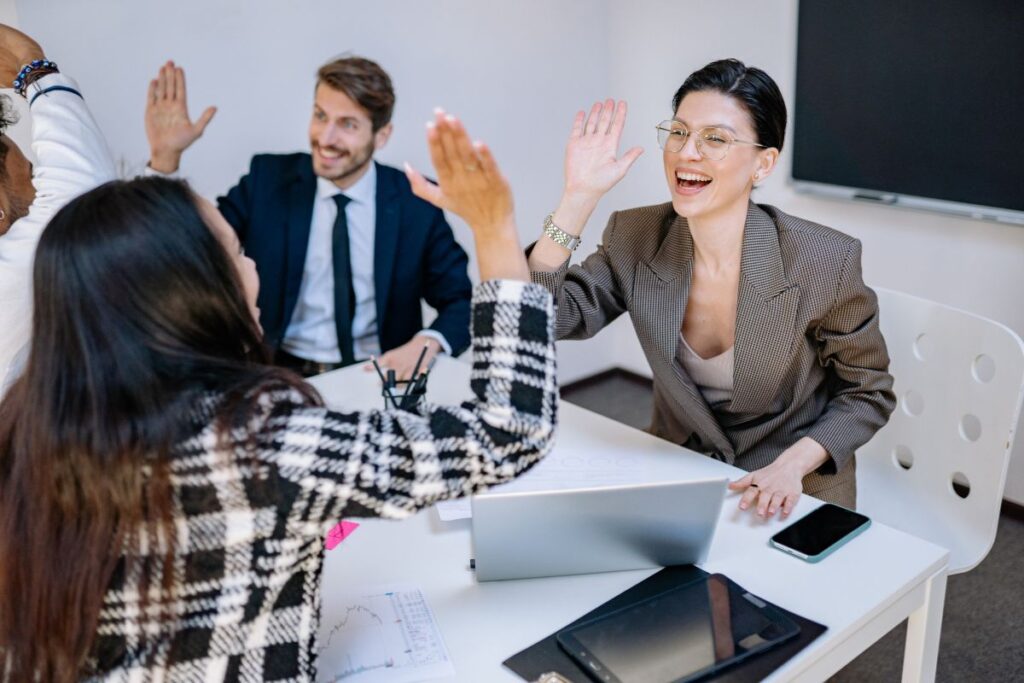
563 471
385 634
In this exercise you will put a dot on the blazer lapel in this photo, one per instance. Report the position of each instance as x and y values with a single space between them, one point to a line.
663 285
300 213
385 244
765 317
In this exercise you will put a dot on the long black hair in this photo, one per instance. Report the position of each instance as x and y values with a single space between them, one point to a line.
748 85
139 316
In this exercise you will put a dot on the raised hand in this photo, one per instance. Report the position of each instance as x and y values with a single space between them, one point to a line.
592 167
16 50
169 129
592 164
470 184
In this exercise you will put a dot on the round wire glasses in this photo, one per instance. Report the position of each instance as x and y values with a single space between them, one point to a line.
712 142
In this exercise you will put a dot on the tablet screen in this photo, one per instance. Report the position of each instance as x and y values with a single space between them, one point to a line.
679 635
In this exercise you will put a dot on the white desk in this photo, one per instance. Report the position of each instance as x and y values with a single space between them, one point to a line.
860 593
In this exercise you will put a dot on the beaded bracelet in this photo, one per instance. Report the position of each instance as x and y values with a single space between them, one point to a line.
43 66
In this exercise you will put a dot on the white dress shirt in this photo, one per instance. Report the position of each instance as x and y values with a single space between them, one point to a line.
71 158
311 333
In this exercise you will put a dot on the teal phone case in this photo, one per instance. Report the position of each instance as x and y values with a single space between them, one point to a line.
827 551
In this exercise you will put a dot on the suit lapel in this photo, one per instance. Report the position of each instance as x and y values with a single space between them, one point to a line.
765 316
302 194
385 244
664 284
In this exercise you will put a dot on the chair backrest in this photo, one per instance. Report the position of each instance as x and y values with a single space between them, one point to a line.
938 468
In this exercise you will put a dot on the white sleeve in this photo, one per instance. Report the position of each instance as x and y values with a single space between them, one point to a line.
71 158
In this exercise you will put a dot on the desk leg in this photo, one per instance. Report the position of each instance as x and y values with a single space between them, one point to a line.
923 629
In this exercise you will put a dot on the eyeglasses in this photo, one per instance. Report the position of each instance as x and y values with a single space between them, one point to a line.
712 143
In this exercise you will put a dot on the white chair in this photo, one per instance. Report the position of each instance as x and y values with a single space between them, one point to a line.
938 468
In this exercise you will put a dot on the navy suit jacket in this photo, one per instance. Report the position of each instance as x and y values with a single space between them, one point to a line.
415 253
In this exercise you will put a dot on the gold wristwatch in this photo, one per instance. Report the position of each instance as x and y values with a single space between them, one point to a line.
558 235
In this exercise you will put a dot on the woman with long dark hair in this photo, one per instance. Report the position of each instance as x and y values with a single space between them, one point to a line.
164 493
762 337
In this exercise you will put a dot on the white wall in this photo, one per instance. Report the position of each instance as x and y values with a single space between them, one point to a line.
515 72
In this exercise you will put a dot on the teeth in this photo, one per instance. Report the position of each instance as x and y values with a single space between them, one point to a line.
329 155
693 176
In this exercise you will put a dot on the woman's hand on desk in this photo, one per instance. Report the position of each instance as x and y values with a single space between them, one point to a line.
779 485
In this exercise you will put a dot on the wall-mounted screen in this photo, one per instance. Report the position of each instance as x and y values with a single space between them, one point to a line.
916 103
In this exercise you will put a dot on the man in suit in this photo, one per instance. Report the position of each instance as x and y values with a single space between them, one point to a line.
344 250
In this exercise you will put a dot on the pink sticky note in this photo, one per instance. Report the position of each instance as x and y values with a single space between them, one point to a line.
339 533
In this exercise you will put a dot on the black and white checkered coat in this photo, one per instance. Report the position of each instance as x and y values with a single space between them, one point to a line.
251 527
809 357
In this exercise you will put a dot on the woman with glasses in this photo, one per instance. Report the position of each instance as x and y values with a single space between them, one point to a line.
164 492
761 335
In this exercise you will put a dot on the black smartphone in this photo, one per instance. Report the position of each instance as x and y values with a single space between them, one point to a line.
680 635
818 534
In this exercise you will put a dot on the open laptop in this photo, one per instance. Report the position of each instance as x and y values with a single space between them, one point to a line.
581 531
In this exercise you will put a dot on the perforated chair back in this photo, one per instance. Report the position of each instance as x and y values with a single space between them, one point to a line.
938 468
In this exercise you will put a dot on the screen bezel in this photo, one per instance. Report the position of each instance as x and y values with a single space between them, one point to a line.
586 658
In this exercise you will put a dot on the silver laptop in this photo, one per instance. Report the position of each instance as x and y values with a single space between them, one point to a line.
581 531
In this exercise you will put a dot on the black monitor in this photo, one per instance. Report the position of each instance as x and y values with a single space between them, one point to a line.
917 103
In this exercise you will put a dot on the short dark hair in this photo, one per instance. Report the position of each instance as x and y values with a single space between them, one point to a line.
8 117
365 83
748 85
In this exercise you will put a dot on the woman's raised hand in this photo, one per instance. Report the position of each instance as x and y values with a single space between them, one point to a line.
470 185
592 164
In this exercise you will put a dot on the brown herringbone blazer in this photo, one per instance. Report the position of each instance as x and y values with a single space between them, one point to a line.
809 357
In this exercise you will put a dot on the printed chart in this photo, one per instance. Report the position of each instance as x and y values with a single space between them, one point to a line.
382 635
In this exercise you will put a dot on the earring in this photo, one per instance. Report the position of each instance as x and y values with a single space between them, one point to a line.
3 215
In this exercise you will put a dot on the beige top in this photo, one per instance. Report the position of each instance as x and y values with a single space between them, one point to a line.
713 376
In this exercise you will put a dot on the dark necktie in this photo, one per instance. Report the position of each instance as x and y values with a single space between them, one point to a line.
344 293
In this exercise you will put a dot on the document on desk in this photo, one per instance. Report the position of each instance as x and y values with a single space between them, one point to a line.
383 634
562 471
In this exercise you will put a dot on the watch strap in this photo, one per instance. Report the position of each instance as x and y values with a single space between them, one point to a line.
559 236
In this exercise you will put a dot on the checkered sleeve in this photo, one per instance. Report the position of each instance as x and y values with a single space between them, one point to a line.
852 349
392 463
588 294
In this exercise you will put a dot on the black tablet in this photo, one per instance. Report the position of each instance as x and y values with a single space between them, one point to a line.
681 635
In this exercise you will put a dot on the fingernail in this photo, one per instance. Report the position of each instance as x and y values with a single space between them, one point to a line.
408 168
438 110
743 506
430 125
450 118
771 511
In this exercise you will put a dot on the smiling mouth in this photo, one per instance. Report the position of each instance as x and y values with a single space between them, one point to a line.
330 154
692 181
